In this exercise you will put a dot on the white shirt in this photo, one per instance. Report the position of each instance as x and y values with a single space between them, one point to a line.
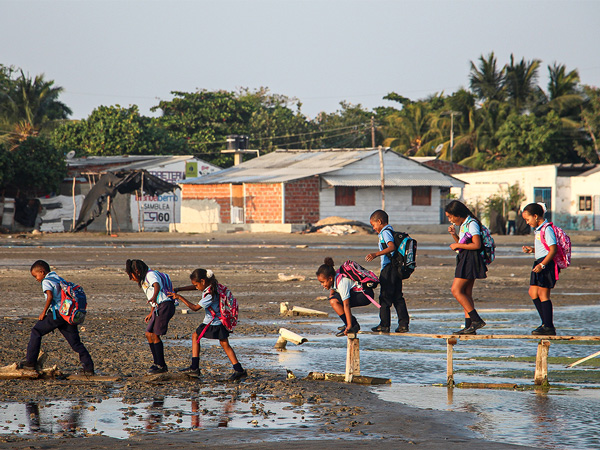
148 287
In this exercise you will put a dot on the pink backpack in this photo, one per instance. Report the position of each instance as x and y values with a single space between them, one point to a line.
562 259
228 310
364 277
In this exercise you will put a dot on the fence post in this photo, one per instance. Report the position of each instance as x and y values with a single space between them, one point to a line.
541 364
450 342
352 358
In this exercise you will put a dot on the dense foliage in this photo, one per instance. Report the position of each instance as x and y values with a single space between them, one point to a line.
503 119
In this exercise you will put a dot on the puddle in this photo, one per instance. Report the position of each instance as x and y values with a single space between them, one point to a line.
557 419
117 419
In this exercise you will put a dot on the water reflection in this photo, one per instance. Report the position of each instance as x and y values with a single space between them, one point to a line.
114 418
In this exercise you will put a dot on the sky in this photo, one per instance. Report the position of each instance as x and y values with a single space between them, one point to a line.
321 52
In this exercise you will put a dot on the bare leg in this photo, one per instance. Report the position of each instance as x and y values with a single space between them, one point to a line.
229 351
462 290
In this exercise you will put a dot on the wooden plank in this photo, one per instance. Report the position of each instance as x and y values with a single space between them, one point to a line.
579 361
358 379
487 385
541 364
466 337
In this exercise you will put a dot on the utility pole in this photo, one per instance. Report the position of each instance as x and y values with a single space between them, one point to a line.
381 168
451 114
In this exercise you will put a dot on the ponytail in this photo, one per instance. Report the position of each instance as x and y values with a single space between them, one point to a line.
327 269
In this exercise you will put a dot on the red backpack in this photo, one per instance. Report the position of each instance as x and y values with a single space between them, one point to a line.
228 310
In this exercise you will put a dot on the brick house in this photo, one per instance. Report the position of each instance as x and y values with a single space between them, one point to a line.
297 187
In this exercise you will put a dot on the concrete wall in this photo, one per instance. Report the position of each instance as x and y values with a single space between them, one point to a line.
219 194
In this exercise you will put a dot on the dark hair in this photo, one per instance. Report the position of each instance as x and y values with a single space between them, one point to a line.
459 209
137 267
40 265
327 269
534 209
380 214
202 274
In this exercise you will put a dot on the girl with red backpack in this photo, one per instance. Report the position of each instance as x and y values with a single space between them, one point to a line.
470 264
212 327
344 294
544 271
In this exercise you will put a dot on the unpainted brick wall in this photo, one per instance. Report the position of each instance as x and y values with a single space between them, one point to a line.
302 201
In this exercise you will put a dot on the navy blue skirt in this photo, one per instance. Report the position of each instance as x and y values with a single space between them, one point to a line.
213 332
546 278
470 265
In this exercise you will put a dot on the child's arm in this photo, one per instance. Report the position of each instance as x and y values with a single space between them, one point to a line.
527 249
389 249
49 297
452 231
152 301
549 257
475 244
191 287
190 305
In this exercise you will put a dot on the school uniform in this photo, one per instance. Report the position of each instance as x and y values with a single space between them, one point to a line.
469 263
212 318
390 284
547 277
346 290
164 306
54 321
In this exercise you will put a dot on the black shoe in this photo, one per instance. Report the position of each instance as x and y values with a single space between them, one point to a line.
341 332
153 370
191 372
354 329
475 325
342 327
89 373
543 330
381 329
402 329
27 365
236 376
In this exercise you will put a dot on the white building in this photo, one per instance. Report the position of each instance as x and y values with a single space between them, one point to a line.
570 191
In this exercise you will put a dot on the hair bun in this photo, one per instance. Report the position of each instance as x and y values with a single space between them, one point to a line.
209 273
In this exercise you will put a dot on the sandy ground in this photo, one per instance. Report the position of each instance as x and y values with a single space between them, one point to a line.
350 416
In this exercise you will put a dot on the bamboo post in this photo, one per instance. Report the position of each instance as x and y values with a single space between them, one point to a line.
138 197
142 192
541 363
352 358
450 342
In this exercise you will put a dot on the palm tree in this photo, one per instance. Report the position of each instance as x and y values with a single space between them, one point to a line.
28 107
487 81
565 97
520 82
408 130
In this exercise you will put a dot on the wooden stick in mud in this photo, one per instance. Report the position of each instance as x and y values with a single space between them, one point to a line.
579 361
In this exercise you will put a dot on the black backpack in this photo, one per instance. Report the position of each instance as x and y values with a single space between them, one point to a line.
405 257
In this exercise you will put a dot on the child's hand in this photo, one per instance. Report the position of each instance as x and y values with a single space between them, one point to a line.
455 246
41 316
370 257
527 249
174 295
147 318
452 230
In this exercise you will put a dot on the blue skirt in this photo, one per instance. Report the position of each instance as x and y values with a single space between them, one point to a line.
470 265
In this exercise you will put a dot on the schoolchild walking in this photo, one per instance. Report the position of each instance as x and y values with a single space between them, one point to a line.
390 293
470 265
544 271
161 312
344 294
212 326
50 320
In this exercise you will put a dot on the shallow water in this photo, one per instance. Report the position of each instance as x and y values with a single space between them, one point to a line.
557 419
114 418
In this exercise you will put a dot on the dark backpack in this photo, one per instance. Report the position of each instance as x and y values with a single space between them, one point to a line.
405 256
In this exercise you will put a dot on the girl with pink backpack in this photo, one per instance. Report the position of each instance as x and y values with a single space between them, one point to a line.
552 251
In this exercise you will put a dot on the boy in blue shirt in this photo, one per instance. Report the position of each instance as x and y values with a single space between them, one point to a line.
390 280
49 320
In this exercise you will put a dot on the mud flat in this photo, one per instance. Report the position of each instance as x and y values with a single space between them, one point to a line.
327 415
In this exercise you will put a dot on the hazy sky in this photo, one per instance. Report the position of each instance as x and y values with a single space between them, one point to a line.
322 52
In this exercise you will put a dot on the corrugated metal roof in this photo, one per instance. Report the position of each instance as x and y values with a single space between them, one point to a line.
393 179
287 165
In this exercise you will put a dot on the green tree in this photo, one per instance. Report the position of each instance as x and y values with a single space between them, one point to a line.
348 127
28 106
113 130
38 168
487 80
520 83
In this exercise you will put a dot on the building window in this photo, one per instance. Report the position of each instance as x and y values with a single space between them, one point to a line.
345 196
585 203
421 195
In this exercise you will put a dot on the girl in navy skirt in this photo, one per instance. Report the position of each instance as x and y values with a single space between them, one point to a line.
469 261
543 273
211 328
162 310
